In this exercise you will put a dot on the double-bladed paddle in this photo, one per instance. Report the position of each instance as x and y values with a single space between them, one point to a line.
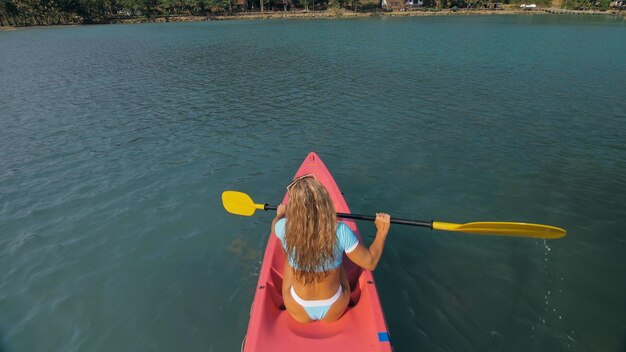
240 203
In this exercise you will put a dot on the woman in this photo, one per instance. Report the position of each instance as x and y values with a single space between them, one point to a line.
315 285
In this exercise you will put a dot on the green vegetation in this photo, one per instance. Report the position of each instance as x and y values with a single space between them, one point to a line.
587 4
46 12
42 12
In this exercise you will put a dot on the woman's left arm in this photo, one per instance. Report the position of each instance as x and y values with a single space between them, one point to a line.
281 211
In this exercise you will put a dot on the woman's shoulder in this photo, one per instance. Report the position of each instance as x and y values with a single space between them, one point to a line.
279 228
346 238
342 226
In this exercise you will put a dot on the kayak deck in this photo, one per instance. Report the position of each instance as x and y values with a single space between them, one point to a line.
271 328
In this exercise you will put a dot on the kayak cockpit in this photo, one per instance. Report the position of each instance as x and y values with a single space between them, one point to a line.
275 283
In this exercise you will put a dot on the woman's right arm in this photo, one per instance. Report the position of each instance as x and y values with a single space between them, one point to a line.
369 258
281 211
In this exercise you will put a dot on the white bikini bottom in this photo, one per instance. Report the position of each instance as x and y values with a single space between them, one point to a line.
316 309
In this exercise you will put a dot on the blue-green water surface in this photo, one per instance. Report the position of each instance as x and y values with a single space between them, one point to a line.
117 141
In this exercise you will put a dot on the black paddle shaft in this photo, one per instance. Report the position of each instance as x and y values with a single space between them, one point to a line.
428 224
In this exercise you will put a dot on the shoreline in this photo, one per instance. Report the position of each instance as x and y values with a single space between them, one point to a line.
328 14
343 13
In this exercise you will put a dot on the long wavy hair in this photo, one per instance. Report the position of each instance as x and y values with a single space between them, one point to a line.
310 232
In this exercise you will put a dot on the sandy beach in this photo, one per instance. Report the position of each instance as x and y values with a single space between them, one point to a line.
351 14
334 13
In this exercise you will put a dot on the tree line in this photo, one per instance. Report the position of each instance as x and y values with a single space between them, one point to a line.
28 12
45 12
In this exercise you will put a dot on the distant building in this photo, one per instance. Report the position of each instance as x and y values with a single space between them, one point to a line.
495 6
282 3
393 5
129 12
240 5
619 3
410 4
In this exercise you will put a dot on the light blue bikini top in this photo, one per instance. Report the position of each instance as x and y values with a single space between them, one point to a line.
346 242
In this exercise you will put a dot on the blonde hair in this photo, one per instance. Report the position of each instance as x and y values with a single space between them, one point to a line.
310 232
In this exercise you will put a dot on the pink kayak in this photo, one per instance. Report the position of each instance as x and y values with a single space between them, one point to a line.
271 328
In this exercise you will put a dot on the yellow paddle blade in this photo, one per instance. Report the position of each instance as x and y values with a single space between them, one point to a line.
239 203
518 229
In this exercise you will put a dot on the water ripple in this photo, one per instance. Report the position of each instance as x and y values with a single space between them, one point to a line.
118 140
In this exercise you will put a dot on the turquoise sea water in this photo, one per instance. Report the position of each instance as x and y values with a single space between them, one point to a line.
117 141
